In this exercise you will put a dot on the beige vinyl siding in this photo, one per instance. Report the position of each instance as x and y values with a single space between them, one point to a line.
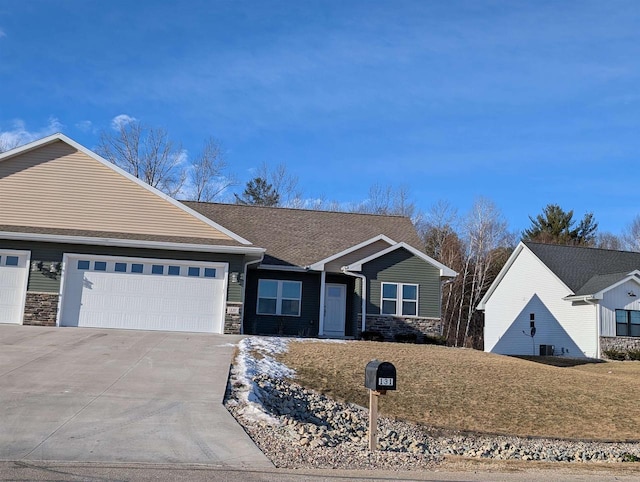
362 253
400 266
57 186
52 252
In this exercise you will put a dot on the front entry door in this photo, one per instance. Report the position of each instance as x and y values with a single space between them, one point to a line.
335 309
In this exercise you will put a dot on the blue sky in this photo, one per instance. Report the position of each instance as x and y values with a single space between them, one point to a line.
525 103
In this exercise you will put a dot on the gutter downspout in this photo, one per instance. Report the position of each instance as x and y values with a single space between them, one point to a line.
364 296
244 289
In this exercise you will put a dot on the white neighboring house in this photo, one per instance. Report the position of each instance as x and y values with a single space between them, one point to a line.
581 302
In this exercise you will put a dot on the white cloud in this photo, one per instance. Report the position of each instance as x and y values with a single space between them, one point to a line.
19 135
2 33
119 121
84 126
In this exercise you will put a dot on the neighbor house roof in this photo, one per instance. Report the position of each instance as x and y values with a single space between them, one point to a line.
300 237
586 271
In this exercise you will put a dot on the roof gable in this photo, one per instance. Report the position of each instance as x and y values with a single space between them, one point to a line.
299 237
342 258
56 183
444 271
577 266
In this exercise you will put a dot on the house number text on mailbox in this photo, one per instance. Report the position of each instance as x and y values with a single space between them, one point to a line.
385 382
380 375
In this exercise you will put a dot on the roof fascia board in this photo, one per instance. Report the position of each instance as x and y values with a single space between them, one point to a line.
131 243
319 265
445 272
61 137
275 267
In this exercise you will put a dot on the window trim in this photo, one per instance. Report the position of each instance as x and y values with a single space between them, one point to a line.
399 299
627 323
279 298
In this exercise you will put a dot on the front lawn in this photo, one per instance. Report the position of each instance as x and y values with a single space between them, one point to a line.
464 389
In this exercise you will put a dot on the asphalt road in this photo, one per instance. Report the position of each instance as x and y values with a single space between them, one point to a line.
41 471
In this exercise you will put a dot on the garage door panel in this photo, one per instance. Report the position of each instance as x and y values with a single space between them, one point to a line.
108 299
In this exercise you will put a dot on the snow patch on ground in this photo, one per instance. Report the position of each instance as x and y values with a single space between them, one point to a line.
256 357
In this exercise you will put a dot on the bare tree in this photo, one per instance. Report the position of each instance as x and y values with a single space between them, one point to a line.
631 235
479 254
606 240
206 175
387 200
146 153
7 143
285 184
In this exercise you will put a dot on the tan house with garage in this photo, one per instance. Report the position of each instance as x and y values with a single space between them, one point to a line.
83 243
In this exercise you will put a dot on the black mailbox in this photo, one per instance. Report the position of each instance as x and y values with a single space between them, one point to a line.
380 376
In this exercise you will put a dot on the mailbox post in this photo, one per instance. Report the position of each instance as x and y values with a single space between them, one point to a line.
378 378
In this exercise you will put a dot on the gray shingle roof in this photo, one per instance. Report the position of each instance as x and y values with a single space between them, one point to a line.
586 270
299 237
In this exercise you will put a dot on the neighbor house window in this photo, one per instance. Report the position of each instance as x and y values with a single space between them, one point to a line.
627 323
399 299
277 297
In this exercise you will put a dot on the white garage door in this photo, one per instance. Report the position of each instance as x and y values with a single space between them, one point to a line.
14 269
143 294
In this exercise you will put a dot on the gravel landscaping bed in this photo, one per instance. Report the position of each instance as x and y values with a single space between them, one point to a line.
299 428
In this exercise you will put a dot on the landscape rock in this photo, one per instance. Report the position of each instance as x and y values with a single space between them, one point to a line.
314 431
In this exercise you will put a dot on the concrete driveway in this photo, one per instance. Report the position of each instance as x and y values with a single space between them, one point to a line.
80 394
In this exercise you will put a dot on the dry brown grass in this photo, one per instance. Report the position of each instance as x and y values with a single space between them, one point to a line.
468 390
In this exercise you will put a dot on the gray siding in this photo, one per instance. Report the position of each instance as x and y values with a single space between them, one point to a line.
304 325
400 266
52 252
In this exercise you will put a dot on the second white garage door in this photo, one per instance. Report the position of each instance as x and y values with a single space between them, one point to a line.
143 294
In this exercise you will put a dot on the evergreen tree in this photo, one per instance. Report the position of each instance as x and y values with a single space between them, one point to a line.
556 226
259 192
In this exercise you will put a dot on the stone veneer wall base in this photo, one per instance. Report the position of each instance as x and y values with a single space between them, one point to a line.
620 343
232 322
40 309
390 326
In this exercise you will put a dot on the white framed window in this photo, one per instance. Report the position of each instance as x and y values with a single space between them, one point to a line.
399 299
279 297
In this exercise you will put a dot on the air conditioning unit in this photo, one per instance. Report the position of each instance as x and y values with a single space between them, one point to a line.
546 350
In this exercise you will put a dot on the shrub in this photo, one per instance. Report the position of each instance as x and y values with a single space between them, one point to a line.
372 336
615 354
627 457
406 337
634 354
435 340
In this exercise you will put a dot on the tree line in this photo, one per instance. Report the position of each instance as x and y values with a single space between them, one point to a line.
476 244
